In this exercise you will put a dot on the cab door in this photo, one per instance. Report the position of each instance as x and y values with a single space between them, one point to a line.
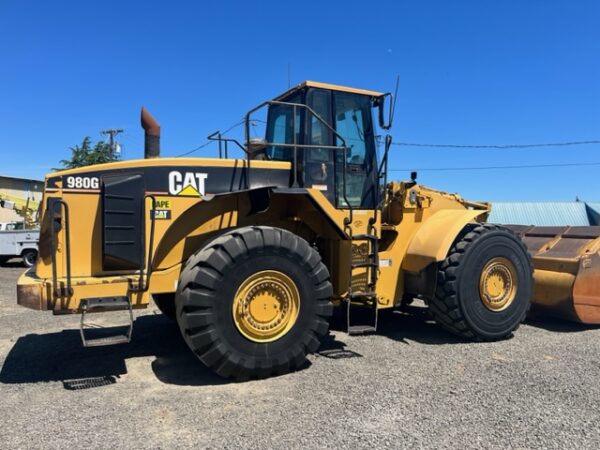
353 121
319 163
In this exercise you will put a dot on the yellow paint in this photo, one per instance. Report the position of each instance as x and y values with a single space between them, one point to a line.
266 306
498 284
434 238
189 191
178 162
333 87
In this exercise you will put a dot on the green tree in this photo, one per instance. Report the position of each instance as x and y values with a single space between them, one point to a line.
86 155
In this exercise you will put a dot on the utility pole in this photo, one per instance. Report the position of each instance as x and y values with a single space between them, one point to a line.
112 133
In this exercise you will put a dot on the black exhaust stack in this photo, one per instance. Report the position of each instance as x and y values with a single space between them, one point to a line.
151 135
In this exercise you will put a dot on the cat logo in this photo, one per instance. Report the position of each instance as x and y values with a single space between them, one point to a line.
187 184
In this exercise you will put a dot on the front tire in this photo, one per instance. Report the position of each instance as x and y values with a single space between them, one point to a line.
254 302
166 304
485 284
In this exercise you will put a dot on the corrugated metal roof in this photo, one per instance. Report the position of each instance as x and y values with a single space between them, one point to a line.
540 213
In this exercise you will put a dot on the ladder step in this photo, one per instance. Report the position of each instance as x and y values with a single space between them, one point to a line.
104 303
356 295
364 237
365 264
109 340
357 330
97 304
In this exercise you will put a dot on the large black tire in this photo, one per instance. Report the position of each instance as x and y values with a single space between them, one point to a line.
29 257
166 304
458 306
209 283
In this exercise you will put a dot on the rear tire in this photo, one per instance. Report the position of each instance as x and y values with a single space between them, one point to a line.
462 303
29 257
230 268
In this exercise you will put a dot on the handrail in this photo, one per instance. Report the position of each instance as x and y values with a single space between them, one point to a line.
144 285
382 170
62 204
217 136
296 146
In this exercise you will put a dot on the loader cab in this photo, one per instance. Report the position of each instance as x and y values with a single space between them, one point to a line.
347 112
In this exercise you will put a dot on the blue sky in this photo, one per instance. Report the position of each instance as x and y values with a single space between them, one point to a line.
471 72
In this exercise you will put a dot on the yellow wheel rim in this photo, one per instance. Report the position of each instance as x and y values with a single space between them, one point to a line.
498 284
266 306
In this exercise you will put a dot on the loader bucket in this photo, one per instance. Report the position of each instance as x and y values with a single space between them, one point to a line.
567 270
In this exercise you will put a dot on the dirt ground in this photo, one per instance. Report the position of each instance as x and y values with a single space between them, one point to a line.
410 386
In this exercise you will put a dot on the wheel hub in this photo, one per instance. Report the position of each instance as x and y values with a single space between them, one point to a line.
266 306
498 284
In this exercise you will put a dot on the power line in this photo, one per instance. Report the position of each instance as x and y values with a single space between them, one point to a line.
208 142
193 150
499 146
524 166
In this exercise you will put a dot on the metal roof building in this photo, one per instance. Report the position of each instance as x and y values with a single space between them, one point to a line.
546 213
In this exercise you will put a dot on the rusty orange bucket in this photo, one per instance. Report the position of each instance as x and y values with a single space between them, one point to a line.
567 270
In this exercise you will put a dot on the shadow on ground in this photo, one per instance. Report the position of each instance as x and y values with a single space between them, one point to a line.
559 326
412 323
61 357
14 263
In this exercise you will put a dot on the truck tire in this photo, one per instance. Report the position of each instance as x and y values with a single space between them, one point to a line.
166 304
29 257
484 286
254 302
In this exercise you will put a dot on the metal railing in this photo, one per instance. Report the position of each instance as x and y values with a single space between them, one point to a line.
144 284
296 146
56 225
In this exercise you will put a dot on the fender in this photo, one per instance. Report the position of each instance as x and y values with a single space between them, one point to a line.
216 214
434 238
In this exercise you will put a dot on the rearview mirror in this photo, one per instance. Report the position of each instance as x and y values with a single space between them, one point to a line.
385 123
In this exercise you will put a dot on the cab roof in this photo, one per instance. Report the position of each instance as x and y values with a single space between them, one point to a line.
333 87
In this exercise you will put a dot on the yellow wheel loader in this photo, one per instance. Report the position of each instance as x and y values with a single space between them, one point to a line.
250 255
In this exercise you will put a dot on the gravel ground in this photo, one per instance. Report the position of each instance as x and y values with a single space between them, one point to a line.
411 385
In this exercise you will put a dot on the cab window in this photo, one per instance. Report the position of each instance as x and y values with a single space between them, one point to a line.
280 129
353 123
320 102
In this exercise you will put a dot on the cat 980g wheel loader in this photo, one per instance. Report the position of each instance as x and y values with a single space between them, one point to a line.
251 255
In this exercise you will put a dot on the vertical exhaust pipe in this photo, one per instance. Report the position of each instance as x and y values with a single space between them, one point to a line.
151 135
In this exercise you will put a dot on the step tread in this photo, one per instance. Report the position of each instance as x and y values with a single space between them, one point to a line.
359 265
108 340
364 237
361 329
369 294
112 303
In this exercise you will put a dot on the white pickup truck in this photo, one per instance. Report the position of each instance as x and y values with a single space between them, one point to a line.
16 241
